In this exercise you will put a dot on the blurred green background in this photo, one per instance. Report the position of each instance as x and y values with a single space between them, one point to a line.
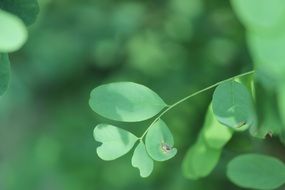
175 47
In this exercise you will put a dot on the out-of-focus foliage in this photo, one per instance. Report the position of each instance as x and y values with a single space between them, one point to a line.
257 171
265 37
27 10
175 47
4 73
204 155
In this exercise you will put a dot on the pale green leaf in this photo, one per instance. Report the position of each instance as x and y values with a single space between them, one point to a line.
200 160
142 161
13 33
27 10
268 55
215 134
4 72
260 14
256 171
125 101
115 141
233 105
159 142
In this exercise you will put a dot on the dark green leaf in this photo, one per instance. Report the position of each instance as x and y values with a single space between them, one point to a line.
142 161
115 141
125 101
27 10
159 142
233 105
4 72
256 171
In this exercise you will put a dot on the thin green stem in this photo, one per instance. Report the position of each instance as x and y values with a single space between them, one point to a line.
190 96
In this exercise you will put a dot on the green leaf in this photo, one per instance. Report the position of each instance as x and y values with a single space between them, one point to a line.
159 142
115 141
215 134
281 104
268 57
269 121
4 73
125 101
27 10
260 14
256 171
13 33
233 105
142 161
200 160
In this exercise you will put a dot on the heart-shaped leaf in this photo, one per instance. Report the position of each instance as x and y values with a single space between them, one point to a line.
125 101
256 171
233 105
200 160
159 142
4 72
215 134
115 141
142 161
13 33
27 10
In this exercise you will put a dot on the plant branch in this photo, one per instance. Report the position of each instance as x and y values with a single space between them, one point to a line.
190 96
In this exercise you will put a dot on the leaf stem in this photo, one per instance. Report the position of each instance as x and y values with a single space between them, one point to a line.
190 96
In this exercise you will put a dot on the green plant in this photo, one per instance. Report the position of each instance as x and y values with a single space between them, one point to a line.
232 109
233 105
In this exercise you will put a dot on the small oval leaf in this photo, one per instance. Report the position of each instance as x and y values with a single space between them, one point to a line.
256 171
115 141
4 72
142 161
125 101
13 33
159 142
233 105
